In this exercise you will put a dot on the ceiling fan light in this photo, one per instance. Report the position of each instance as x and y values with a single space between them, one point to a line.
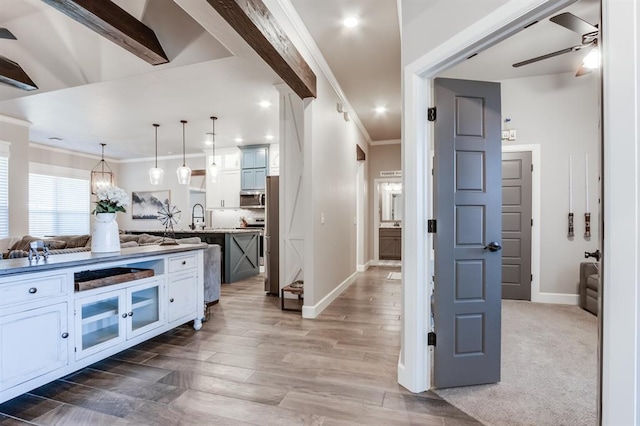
592 60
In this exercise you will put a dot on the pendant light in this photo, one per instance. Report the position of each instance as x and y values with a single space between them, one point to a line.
101 178
184 172
212 172
156 174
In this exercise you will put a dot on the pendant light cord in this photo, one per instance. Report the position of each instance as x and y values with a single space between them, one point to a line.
156 126
213 138
184 161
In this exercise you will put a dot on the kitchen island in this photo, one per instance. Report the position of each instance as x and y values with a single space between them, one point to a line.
240 255
68 311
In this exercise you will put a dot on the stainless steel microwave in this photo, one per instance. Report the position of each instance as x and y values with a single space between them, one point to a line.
252 199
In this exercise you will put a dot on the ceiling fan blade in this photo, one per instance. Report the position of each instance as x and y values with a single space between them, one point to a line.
5 33
572 22
548 55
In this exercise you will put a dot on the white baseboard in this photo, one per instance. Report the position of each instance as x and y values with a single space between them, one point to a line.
363 268
557 298
311 312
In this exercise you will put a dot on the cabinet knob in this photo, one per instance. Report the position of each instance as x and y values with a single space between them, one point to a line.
33 290
65 335
184 262
130 314
124 315
171 300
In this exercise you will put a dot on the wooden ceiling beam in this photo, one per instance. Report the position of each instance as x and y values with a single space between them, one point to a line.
12 74
257 26
112 22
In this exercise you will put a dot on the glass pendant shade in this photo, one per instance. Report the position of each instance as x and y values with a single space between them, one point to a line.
212 172
213 169
184 175
183 172
101 175
156 174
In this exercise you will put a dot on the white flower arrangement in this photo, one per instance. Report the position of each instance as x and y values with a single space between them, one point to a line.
111 199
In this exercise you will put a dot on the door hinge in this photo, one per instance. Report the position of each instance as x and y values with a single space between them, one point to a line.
532 167
432 226
531 278
431 338
431 114
531 222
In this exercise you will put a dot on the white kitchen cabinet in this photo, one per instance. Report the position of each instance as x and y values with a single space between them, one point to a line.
226 191
33 343
109 318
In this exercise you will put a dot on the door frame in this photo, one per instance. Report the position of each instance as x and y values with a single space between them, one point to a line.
414 361
376 216
536 185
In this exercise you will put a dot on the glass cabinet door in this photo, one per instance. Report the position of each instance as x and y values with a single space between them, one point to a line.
145 311
101 322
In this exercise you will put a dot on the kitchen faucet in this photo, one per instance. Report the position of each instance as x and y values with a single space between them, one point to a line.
194 217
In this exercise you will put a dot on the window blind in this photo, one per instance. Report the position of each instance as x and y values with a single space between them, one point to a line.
58 205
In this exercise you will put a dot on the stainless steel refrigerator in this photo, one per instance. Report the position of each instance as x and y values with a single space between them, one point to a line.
272 237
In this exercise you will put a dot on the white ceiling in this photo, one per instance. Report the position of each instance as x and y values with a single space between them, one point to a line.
92 91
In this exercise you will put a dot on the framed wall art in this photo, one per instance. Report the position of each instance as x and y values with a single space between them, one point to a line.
146 204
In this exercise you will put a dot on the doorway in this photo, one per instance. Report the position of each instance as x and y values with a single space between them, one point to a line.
387 222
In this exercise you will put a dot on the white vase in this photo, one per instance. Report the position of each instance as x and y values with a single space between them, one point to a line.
105 237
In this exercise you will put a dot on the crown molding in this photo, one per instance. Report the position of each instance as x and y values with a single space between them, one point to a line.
386 142
112 160
70 152
303 33
16 121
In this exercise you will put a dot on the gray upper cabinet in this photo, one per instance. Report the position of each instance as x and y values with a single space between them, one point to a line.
254 167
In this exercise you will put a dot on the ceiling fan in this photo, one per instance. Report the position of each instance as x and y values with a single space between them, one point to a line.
589 40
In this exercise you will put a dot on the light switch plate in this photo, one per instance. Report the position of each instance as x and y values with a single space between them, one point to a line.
322 218
505 134
512 134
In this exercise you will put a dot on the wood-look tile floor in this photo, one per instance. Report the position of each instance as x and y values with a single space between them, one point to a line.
252 363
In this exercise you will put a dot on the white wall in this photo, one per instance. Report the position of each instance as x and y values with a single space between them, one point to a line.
426 24
134 177
18 136
560 113
333 155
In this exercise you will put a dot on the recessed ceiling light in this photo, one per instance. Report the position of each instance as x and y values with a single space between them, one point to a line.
238 140
350 22
381 110
269 137
265 104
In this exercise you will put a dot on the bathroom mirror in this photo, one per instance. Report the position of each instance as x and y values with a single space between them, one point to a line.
390 201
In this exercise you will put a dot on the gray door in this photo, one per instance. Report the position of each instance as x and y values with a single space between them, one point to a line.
516 225
467 183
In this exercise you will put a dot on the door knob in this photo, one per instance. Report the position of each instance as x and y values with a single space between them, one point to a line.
493 246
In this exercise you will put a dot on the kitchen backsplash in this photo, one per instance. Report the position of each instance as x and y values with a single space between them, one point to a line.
230 218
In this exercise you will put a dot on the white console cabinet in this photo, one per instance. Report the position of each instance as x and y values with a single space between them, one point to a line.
49 330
